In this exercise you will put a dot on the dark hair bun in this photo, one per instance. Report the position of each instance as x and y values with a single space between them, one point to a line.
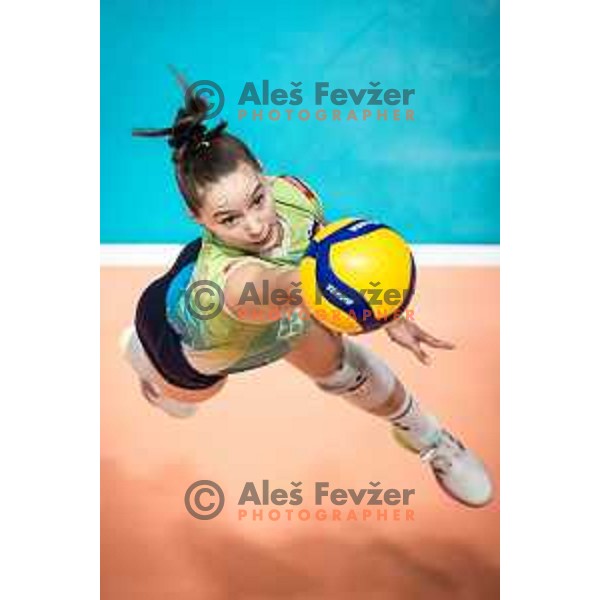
188 132
197 160
195 104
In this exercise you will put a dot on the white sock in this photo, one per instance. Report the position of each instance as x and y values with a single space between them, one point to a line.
416 429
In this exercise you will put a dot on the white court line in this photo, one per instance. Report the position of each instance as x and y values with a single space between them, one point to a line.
443 255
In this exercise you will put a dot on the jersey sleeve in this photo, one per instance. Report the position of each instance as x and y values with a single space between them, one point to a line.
311 196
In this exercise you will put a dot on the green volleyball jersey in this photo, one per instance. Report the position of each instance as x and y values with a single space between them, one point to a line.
225 344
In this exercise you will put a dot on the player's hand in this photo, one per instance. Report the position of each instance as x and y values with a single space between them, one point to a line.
410 336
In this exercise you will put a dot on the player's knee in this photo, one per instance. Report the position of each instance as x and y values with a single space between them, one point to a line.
363 379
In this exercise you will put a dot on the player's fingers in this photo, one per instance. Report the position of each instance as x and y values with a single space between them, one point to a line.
421 355
433 341
436 343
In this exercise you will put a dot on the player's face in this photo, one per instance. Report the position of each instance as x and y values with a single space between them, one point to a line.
240 210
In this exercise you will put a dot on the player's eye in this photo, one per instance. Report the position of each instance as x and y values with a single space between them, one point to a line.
258 200
229 221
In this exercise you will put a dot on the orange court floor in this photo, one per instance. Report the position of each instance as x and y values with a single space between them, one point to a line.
274 424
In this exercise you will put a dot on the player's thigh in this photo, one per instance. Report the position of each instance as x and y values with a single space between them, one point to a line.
318 353
154 385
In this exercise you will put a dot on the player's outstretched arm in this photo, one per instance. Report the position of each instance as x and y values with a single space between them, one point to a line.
244 292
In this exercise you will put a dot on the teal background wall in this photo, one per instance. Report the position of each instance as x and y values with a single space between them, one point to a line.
436 179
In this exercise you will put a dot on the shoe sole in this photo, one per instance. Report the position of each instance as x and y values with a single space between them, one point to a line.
462 500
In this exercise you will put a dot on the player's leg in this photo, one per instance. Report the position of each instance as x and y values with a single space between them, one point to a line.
174 400
344 367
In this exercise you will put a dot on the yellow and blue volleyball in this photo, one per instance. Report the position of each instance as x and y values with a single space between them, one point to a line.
357 275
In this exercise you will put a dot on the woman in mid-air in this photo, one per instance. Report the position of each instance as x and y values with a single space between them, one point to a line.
256 230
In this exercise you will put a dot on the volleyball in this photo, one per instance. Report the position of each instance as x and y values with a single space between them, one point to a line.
357 275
